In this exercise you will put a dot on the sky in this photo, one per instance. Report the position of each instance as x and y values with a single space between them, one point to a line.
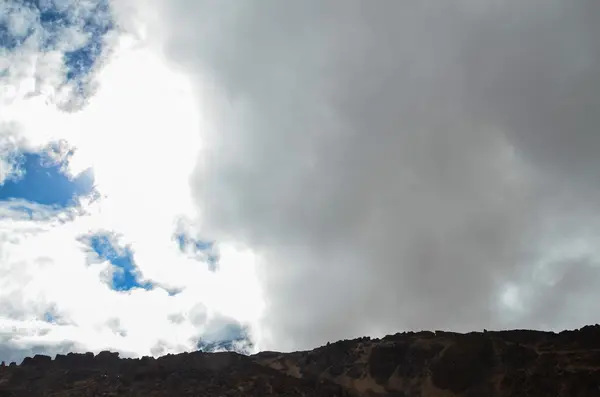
180 175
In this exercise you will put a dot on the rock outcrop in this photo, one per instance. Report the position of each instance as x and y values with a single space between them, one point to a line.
445 364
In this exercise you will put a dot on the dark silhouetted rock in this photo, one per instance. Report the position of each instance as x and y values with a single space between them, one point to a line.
38 360
107 356
385 358
445 364
465 364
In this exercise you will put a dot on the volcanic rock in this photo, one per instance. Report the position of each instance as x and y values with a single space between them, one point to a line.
445 364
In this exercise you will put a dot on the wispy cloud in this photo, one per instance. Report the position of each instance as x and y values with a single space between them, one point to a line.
196 247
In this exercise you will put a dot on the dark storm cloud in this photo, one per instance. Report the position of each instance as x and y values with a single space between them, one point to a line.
397 163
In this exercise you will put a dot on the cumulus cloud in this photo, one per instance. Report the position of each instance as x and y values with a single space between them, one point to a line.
362 168
138 132
399 166
55 291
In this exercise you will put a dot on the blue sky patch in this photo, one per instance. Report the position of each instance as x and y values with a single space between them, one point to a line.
49 317
44 182
81 60
51 20
8 40
202 250
126 275
12 36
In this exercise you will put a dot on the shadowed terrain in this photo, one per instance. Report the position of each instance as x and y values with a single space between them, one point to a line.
428 364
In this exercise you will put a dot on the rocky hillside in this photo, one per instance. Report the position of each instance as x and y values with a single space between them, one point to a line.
506 363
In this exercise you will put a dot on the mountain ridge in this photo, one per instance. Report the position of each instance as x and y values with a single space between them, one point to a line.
425 363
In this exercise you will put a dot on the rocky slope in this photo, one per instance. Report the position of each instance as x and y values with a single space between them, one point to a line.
505 363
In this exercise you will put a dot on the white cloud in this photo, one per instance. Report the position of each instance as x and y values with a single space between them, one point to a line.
364 169
139 132
47 269
8 166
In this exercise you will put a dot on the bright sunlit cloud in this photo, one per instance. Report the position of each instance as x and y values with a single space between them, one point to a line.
140 133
